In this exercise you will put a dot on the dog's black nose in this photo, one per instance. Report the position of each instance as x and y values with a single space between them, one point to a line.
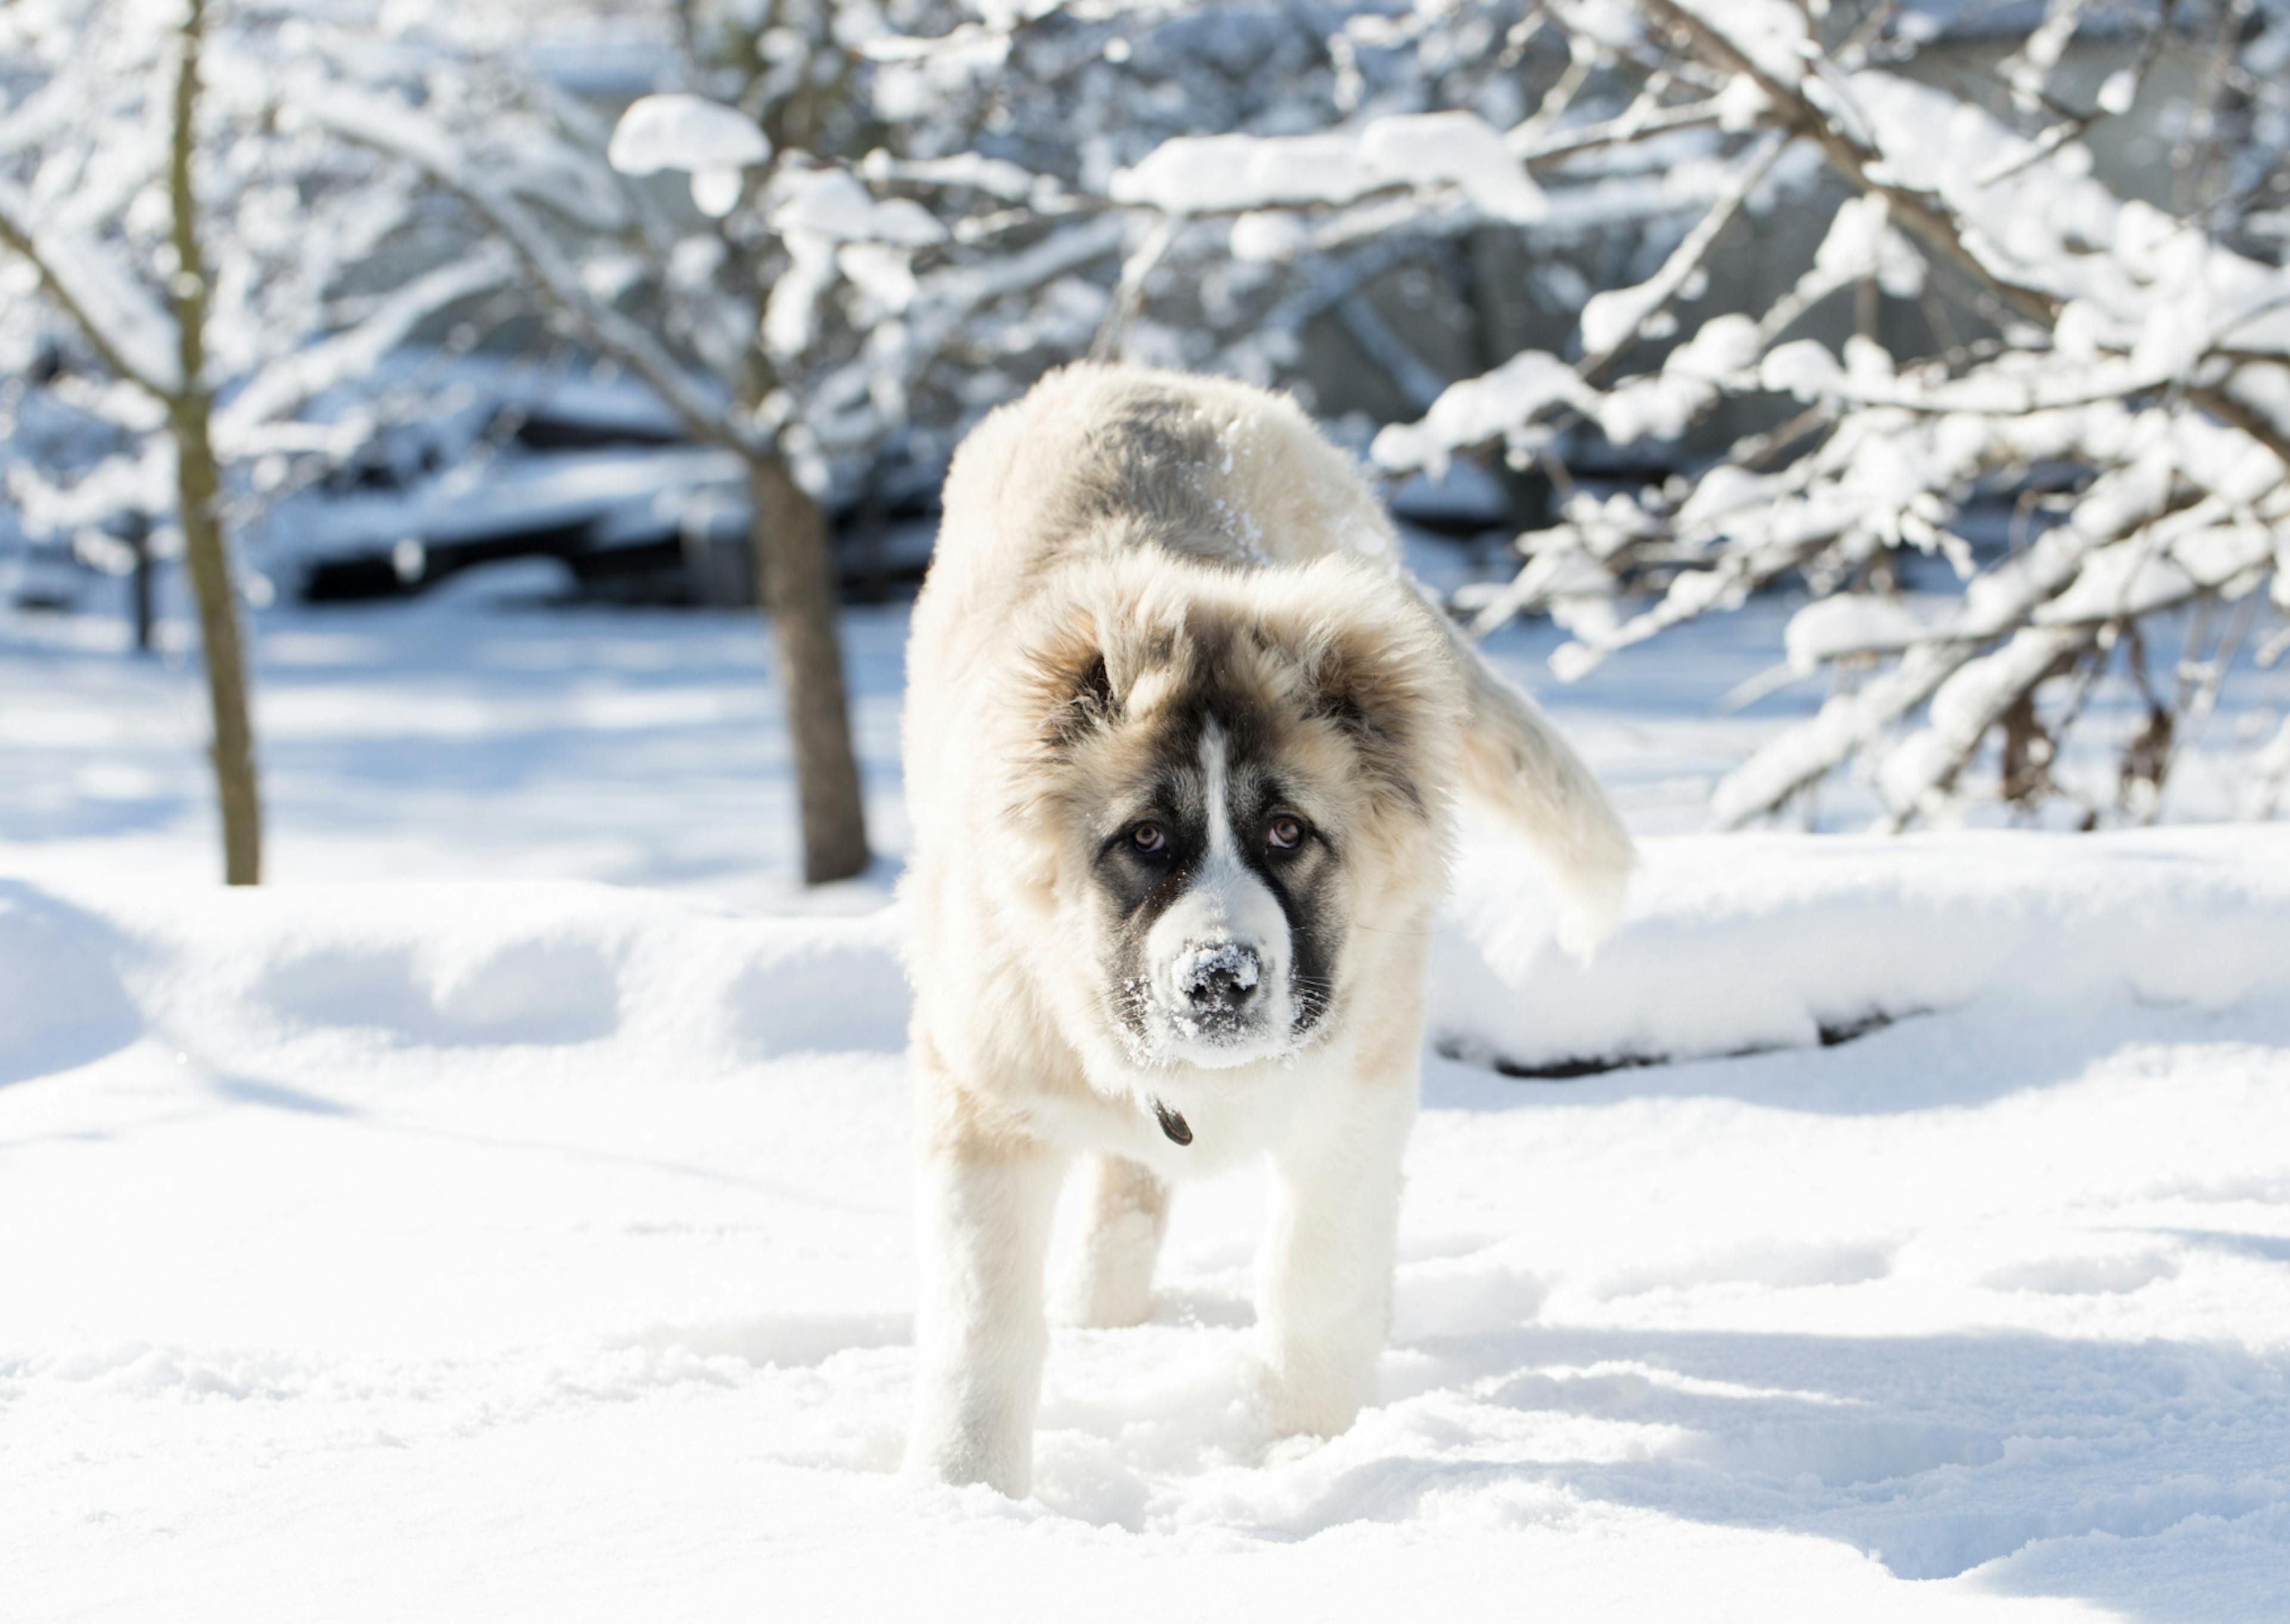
1222 978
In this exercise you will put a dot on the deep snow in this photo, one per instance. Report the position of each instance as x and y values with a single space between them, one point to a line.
493 1242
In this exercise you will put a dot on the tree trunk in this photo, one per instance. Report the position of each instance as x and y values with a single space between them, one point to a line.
198 486
797 589
195 482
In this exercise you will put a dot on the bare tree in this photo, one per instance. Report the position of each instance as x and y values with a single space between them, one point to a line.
211 308
792 315
198 483
132 340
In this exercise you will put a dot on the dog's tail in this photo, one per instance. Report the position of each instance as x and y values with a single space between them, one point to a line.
1517 766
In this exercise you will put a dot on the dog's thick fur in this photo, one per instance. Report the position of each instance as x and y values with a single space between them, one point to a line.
1182 741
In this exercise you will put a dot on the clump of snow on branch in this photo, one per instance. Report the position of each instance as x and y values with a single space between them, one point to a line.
1227 173
680 131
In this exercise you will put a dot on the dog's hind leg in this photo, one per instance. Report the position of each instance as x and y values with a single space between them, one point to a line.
980 1335
1125 1213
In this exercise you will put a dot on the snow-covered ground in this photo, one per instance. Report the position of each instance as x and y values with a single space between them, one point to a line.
440 1232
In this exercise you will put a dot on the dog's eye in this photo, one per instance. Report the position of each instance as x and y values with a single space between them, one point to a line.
1285 833
1149 839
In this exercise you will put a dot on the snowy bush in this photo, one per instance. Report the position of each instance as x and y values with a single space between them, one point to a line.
2130 386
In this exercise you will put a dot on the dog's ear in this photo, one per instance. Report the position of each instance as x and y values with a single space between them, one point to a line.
1376 670
1371 700
1089 702
1073 692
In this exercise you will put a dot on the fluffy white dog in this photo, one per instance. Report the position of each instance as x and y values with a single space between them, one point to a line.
1181 742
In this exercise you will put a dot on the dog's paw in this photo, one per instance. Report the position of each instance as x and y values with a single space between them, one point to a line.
1303 1405
1094 1303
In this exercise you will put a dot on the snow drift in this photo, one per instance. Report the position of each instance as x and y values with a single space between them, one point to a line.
1744 942
1732 944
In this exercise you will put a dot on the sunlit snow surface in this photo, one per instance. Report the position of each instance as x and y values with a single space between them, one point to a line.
438 1233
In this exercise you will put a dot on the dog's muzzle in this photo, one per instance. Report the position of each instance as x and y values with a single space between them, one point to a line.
1221 983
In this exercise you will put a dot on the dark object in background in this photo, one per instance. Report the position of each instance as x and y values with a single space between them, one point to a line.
138 540
636 513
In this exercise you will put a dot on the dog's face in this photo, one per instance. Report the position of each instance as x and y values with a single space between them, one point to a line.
1237 773
1219 883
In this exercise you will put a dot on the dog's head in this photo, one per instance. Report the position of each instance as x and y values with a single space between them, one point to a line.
1231 776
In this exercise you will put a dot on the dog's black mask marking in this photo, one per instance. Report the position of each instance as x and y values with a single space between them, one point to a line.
1139 889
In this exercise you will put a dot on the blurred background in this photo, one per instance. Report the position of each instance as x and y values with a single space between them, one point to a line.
1841 414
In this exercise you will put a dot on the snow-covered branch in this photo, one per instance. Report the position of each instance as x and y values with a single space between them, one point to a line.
402 131
125 326
298 377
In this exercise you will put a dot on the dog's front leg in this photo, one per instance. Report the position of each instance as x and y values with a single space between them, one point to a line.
1323 1300
980 1334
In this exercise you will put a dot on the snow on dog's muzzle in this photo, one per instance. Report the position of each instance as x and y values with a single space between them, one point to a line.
1221 983
1222 1001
